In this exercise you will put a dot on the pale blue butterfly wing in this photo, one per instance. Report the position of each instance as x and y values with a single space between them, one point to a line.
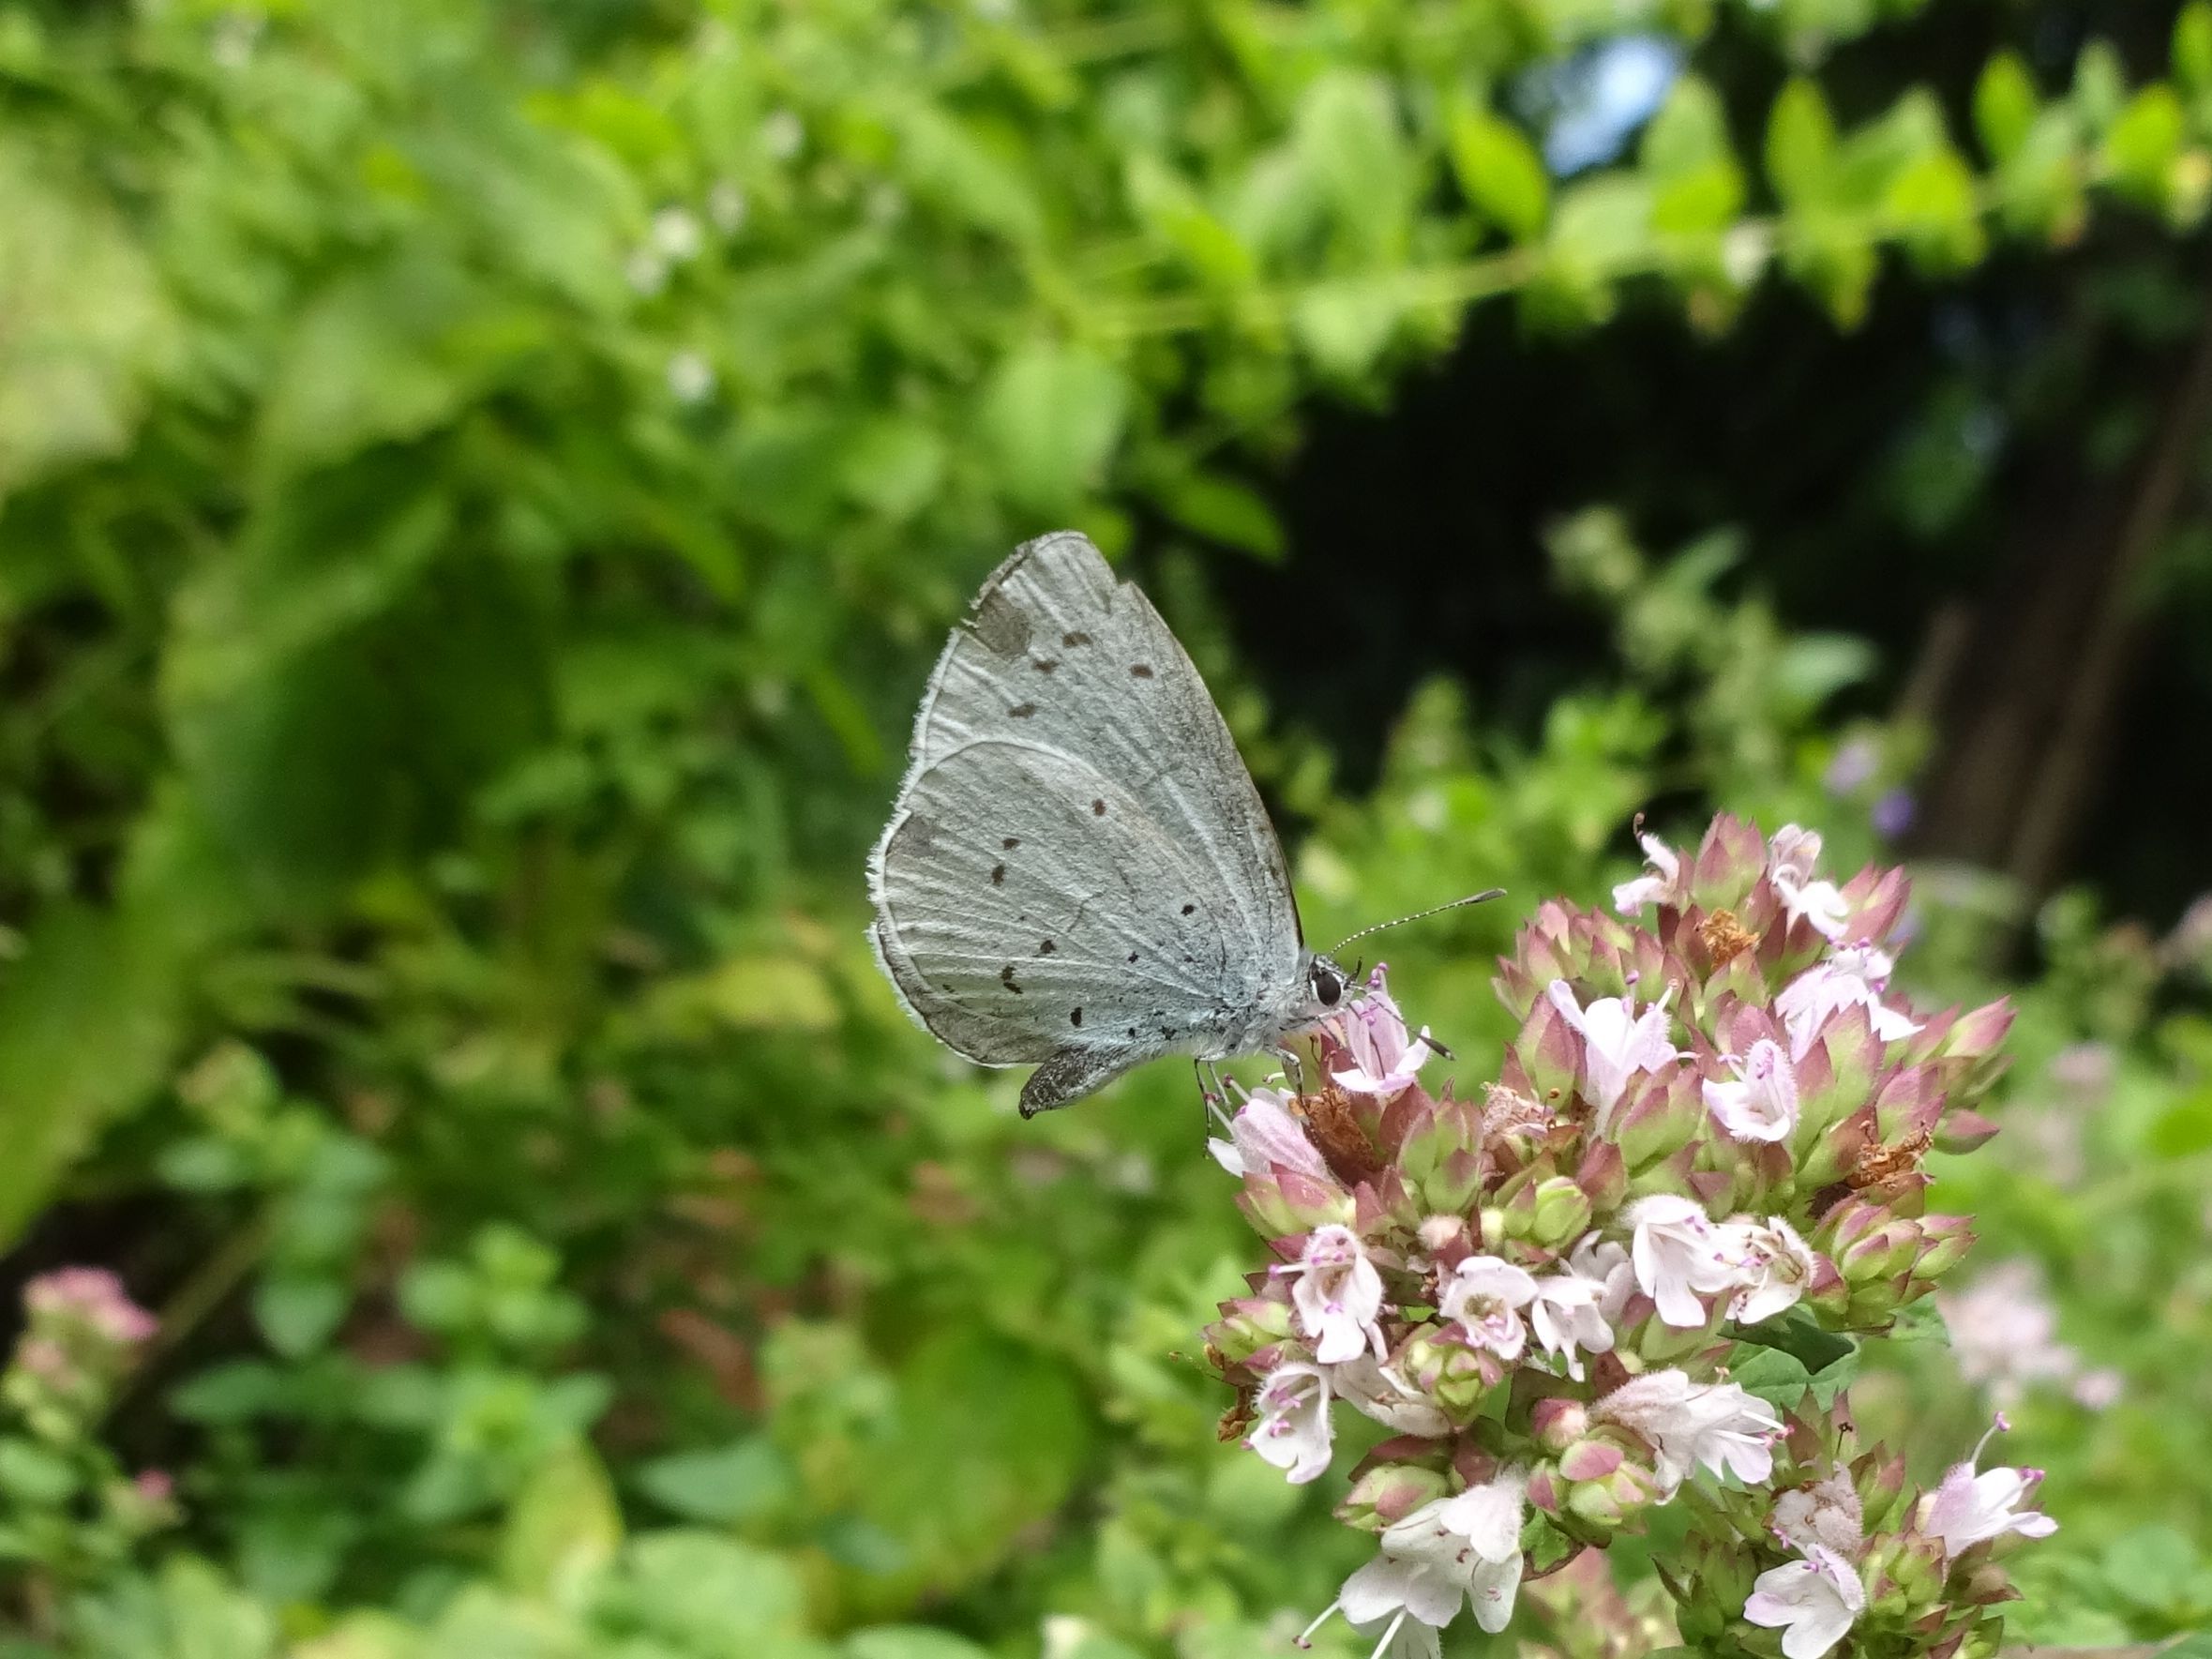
1078 872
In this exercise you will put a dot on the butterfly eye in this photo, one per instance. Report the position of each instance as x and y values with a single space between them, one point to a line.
1328 986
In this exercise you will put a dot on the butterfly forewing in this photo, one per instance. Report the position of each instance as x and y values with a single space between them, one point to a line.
1058 651
1079 871
1058 917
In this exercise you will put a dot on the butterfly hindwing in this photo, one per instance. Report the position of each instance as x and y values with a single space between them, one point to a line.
1026 904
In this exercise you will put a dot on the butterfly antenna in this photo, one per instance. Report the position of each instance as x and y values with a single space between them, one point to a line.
1488 893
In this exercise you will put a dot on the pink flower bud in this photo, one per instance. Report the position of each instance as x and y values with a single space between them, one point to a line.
1877 899
1963 1131
1663 1116
1945 1241
1282 1203
1388 1493
1549 1051
1730 861
1558 1422
1440 1159
1980 1030
1589 1460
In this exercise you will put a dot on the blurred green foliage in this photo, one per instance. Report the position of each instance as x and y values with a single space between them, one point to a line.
479 487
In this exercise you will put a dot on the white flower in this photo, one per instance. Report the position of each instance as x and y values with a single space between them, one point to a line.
1813 1601
1969 1508
1657 884
782 134
1792 851
1821 903
1688 1423
1854 976
232 40
2004 1330
1486 1296
1381 1394
676 234
1777 1267
691 378
1337 1296
1761 1103
1677 1253
1569 1316
1608 1263
1489 1517
2099 1390
1264 1134
1469 1545
1293 1432
1618 1043
727 206
1826 1513
646 271
1384 1062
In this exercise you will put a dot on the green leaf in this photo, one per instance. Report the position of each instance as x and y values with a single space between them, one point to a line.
1052 417
2151 1567
1545 1545
119 974
1344 134
1345 325
1920 1322
2100 85
88 324
299 1313
2005 105
562 1526
1173 211
1783 1358
383 355
2192 47
721 1483
2142 144
1223 511
910 1641
1499 171
236 1391
34 1474
1004 1426
694 1589
1800 142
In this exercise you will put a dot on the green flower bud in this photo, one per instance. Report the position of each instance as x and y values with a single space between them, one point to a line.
1388 1493
1562 1211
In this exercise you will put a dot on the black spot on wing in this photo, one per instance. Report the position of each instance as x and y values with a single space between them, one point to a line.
1046 948
997 875
1006 979
1022 711
1188 909
1140 671
1074 1016
1097 808
1011 842
999 624
1070 641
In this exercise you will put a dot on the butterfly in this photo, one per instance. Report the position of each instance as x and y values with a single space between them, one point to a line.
1078 873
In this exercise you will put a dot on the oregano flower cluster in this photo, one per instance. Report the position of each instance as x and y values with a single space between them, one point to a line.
1633 1270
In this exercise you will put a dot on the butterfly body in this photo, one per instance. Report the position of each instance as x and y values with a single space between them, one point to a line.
1078 873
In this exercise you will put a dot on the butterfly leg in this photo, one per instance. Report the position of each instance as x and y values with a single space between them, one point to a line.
1210 1092
1294 1066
